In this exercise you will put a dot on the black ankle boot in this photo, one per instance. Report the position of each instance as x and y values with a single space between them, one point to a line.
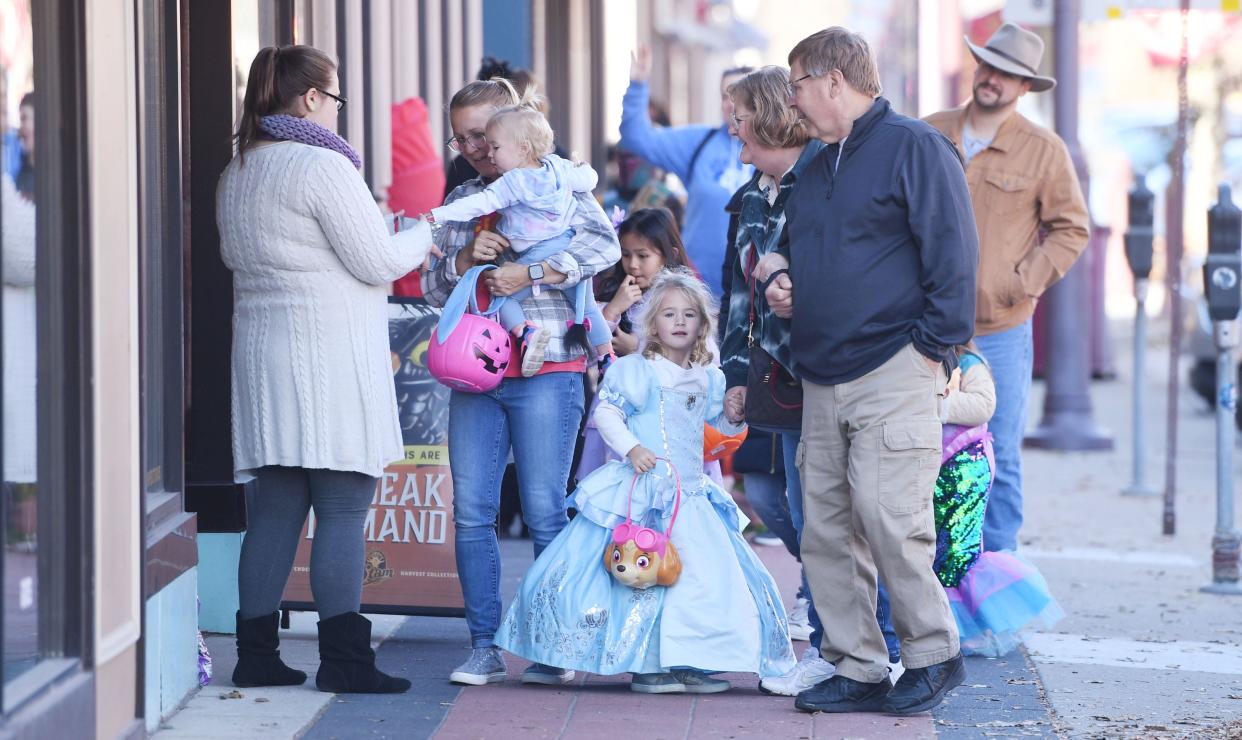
258 660
347 662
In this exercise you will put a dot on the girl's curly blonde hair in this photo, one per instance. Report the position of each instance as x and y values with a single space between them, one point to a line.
682 279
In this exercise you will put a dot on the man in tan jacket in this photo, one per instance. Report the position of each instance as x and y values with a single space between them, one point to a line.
1022 183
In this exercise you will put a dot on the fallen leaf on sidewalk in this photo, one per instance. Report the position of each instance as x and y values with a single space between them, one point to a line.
1002 723
262 700
234 694
1019 682
1234 696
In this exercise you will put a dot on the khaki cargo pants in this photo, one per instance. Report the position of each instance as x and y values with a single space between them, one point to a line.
869 458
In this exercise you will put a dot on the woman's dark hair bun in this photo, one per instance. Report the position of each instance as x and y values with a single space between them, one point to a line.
494 67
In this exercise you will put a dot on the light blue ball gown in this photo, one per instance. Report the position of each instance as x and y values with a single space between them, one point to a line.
723 614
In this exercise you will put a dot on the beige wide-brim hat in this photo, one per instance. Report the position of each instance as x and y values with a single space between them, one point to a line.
1015 50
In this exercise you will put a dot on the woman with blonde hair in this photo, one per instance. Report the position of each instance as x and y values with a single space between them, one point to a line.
314 405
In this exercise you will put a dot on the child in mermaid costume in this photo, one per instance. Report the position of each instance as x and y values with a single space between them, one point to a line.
994 595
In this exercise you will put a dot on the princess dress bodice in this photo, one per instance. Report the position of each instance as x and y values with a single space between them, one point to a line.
665 406
681 425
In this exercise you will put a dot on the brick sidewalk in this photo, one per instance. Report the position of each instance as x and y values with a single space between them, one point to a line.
1000 696
603 706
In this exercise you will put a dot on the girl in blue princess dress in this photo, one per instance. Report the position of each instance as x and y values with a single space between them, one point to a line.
724 612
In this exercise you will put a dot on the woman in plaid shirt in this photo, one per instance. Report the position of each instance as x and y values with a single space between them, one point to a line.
538 417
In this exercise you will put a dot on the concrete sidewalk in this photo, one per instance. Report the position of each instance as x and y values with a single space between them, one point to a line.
1142 652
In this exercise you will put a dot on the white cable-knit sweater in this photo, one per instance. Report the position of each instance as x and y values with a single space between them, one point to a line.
20 343
311 261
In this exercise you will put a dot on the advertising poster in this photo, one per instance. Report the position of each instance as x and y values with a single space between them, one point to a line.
410 565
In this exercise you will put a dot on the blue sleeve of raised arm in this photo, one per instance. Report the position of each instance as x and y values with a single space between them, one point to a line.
942 222
667 148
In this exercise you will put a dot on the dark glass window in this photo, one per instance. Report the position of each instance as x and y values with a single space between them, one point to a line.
19 348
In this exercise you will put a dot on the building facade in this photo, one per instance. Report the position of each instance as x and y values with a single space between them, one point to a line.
119 509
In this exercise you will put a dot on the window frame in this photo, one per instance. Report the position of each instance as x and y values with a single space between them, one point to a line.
65 418
161 278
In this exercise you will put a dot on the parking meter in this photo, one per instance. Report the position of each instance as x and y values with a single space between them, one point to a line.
1223 267
1224 298
1139 237
1139 233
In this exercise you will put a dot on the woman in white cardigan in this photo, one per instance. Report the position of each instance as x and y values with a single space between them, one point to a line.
314 407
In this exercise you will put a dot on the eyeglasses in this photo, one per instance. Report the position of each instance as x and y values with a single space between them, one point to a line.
474 140
340 99
738 120
790 86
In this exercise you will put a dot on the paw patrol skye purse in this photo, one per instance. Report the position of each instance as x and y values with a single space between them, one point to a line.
642 557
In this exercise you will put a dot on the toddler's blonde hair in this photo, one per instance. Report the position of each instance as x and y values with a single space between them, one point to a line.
682 279
525 122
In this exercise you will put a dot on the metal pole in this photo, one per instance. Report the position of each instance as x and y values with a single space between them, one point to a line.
1067 423
1225 542
1174 239
1138 485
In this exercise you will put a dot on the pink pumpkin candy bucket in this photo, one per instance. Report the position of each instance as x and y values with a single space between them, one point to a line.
468 351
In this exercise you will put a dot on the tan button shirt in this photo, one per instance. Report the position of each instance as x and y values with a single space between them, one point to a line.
1021 183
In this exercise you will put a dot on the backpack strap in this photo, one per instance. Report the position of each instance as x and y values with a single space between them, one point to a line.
694 158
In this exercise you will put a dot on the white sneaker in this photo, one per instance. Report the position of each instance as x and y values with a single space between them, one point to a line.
810 670
800 621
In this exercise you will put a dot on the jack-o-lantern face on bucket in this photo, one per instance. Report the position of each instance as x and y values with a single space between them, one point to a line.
473 358
492 351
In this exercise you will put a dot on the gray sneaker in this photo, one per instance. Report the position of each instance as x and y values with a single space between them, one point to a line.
547 675
486 665
656 683
698 682
533 346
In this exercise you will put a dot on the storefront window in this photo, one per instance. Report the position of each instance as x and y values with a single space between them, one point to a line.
20 510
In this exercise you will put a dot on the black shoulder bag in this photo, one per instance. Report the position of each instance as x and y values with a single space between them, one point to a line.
773 395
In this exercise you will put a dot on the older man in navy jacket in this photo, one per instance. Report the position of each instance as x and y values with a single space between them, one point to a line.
881 288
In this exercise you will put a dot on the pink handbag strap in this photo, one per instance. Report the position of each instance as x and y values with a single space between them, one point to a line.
676 501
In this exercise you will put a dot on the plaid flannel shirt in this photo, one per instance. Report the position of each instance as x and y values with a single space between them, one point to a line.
758 232
594 248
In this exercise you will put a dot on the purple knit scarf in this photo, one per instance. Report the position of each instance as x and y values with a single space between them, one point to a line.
291 128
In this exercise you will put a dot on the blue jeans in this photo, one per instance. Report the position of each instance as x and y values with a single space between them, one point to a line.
585 308
766 494
1010 354
538 417
789 449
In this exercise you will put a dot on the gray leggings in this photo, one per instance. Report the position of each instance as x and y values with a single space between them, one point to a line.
276 510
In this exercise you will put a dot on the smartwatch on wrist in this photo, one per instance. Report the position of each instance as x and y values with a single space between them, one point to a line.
535 272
